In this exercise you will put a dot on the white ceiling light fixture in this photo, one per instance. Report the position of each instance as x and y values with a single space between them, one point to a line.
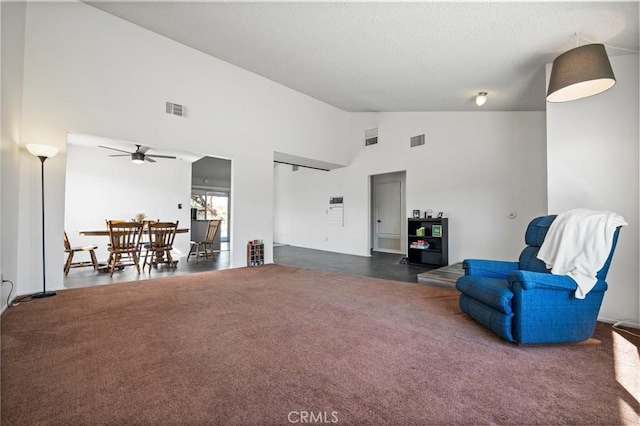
481 99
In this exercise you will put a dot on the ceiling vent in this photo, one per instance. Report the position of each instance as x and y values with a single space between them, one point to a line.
371 137
176 109
417 140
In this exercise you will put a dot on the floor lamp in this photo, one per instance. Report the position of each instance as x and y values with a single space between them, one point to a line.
43 152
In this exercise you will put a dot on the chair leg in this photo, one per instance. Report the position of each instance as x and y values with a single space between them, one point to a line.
146 255
94 260
136 261
170 259
114 258
152 259
190 250
197 251
67 264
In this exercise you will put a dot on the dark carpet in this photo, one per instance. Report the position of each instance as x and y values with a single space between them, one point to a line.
277 345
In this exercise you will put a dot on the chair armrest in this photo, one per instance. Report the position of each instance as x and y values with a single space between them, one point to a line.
489 268
533 280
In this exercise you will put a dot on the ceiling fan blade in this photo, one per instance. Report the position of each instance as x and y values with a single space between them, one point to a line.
142 149
151 160
160 156
115 149
120 155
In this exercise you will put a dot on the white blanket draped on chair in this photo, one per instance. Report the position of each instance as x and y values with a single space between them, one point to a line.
578 244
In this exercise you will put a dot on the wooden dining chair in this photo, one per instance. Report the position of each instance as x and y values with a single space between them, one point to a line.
160 244
71 251
124 238
204 248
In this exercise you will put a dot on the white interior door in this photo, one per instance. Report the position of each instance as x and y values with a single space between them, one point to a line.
388 217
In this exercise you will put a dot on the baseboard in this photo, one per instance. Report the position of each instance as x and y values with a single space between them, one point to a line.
626 322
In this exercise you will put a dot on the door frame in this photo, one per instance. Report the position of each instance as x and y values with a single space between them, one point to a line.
400 176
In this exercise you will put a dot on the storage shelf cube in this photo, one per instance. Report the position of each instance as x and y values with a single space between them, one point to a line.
255 253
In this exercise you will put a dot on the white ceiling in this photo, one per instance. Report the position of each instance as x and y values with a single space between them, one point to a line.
95 141
432 56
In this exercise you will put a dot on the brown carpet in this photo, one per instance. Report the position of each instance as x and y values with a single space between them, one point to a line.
251 346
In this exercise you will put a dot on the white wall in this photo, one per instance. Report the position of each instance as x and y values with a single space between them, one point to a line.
100 187
12 42
476 167
593 163
89 72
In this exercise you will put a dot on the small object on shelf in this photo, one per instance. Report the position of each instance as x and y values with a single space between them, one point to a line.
436 230
428 214
416 213
420 244
440 215
420 232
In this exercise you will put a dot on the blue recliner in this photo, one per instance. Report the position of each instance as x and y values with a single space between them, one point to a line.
523 302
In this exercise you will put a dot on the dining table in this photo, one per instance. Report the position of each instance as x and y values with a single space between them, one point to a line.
102 266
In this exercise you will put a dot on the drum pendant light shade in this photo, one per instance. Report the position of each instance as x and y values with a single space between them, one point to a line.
579 73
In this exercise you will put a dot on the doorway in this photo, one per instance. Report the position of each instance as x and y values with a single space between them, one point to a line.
388 225
210 198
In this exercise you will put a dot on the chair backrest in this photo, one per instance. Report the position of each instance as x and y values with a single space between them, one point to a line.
212 230
67 245
161 234
124 236
534 237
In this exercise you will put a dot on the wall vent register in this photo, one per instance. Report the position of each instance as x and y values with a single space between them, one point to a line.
175 109
417 141
371 137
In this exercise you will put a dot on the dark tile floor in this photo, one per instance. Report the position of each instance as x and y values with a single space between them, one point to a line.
379 265
85 277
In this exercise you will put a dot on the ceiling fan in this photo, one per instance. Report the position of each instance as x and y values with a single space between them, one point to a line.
138 157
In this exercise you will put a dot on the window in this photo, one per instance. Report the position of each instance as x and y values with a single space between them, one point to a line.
207 205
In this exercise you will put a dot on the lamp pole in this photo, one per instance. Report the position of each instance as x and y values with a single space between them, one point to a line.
44 292
43 152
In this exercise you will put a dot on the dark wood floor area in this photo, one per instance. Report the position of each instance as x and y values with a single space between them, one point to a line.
379 265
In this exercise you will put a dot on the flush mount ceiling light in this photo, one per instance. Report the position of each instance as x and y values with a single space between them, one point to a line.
481 98
579 73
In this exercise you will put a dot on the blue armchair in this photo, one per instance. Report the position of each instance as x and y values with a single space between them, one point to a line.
523 302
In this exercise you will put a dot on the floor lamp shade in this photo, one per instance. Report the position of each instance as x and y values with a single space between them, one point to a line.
579 73
45 151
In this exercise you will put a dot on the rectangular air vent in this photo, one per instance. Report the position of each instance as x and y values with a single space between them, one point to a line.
175 109
417 140
371 137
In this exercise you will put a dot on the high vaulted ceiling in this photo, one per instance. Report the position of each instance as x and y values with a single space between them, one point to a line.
433 56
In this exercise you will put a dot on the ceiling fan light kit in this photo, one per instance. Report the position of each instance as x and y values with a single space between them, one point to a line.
137 158
579 73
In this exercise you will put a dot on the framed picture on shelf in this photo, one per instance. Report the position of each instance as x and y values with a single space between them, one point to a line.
436 231
416 214
439 215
